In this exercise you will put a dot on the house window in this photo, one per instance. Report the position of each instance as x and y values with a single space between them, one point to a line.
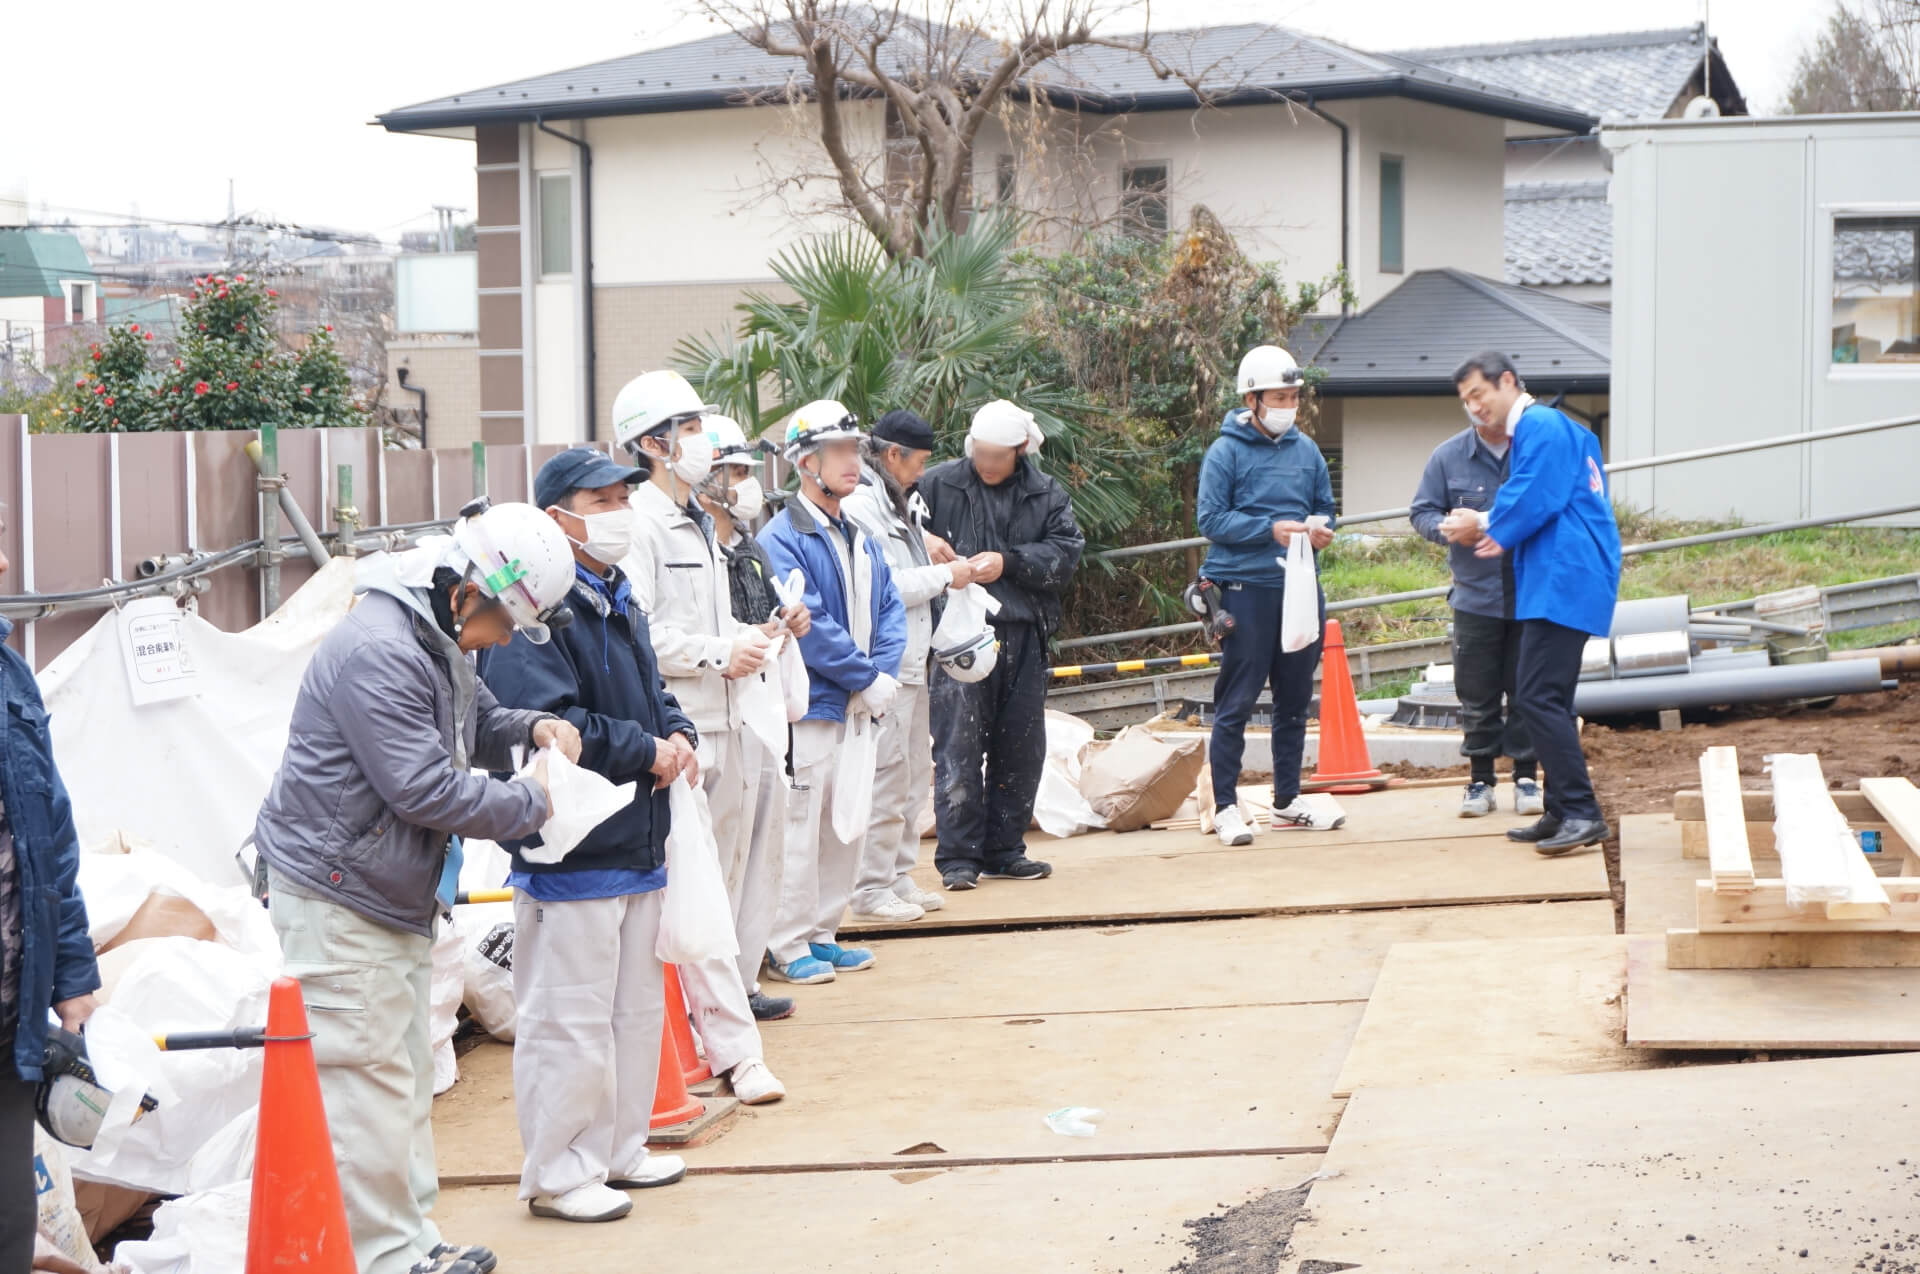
1393 214
1876 291
556 223
1003 180
1143 201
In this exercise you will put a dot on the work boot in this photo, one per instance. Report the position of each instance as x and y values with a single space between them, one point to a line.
919 897
1297 815
955 879
1574 833
1527 797
1231 828
1548 825
770 1008
754 1084
1479 800
1019 867
447 1257
652 1171
891 907
590 1203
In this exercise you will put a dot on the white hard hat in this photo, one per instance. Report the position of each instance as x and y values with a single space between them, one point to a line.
730 445
972 659
519 557
651 400
822 420
71 1102
1267 367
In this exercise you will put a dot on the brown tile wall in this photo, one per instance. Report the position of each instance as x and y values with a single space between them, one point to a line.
450 373
636 327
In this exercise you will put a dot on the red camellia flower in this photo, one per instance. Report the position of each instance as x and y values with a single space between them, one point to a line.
221 293
239 327
271 292
329 327
256 362
133 327
149 335
110 400
81 383
239 278
203 327
232 385
306 389
99 389
179 362
96 355
199 388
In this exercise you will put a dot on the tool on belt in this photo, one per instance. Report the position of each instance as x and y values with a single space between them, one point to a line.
1203 599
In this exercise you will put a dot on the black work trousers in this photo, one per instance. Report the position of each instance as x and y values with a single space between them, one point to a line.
1544 684
1486 666
1251 658
989 748
19 1185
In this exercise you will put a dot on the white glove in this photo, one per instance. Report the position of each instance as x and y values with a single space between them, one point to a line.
748 653
879 696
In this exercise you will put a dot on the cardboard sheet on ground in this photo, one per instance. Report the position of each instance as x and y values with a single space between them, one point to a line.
1087 1218
1694 1168
1270 959
1248 1078
1443 1012
187 776
1281 872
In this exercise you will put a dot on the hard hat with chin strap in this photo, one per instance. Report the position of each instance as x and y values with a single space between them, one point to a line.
652 400
519 557
972 659
820 421
730 445
71 1102
1267 367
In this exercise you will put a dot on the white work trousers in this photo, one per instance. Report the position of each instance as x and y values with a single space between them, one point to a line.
820 866
716 990
366 988
900 787
589 994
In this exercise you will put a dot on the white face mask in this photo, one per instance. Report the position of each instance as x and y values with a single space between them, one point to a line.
747 498
609 535
1277 420
695 459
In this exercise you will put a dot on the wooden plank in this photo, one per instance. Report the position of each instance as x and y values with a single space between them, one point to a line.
1819 858
1727 854
1444 1012
1659 883
1776 949
1897 801
1689 806
1593 1174
1693 839
1837 1009
1765 909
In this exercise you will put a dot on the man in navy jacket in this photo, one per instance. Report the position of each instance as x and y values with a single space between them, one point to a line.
1260 482
589 990
1553 515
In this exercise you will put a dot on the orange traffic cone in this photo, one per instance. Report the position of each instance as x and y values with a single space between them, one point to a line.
692 1069
672 1103
298 1221
1344 766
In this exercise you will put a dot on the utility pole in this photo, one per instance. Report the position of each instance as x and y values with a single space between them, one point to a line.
230 216
445 214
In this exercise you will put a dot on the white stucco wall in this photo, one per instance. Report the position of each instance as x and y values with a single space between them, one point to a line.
1722 302
556 379
1558 159
25 314
1385 443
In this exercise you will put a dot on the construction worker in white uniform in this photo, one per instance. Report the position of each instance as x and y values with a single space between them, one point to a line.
679 578
852 653
892 512
752 849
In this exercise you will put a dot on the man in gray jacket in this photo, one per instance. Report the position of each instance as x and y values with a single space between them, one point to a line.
887 507
360 837
1465 472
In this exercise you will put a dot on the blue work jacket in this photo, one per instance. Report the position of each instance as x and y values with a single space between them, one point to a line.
1248 482
836 666
1553 515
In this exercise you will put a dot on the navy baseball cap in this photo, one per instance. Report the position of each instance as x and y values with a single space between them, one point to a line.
580 469
904 429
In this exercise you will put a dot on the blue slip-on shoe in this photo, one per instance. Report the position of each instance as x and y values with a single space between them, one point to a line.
806 970
844 959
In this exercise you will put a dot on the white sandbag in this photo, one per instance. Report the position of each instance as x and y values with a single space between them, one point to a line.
202 1233
179 985
696 917
448 987
1059 808
118 880
854 768
582 800
486 960
60 1221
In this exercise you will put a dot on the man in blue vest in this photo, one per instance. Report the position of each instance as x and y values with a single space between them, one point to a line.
1553 515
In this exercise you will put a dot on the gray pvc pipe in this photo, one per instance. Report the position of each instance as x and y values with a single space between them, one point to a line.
1708 689
1650 615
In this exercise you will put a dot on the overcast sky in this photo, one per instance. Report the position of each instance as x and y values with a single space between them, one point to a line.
128 104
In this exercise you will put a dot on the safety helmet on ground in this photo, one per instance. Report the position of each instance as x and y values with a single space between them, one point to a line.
651 401
820 421
730 445
71 1102
1267 367
519 557
972 659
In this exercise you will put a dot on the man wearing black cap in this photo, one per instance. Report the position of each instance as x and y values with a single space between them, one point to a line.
589 989
886 505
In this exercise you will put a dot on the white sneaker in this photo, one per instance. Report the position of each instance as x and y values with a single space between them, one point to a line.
893 907
591 1202
654 1170
918 896
1528 798
754 1084
1231 828
1298 816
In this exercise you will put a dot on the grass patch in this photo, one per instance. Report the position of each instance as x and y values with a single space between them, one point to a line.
1879 635
1387 689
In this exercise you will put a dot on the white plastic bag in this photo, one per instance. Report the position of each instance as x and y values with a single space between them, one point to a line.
1300 604
696 917
853 777
763 705
199 1234
795 685
967 614
582 800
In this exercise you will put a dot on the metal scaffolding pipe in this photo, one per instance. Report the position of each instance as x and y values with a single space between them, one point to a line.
1710 689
